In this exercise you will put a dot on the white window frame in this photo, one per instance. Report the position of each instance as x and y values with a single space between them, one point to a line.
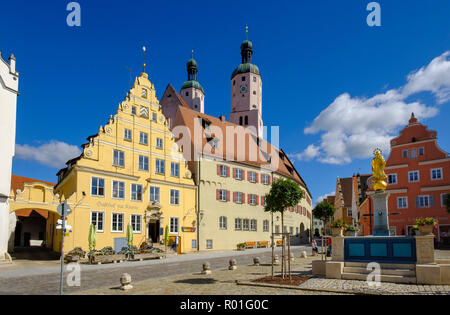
209 244
112 222
103 220
437 169
159 143
119 158
402 198
175 200
266 179
135 231
393 176
175 166
254 225
131 192
239 173
252 177
104 187
177 225
429 203
442 200
144 162
418 177
156 189
223 195
266 226
238 224
154 117
415 155
112 190
253 199
223 168
239 195
159 162
223 223
128 135
245 227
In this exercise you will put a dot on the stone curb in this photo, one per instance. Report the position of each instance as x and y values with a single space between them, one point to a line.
290 287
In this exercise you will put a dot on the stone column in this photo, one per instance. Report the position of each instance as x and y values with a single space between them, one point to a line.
337 248
380 216
425 249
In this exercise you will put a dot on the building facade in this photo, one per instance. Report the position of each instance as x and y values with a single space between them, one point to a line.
418 173
131 172
9 90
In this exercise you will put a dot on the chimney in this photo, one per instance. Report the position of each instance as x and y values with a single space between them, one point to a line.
12 64
222 118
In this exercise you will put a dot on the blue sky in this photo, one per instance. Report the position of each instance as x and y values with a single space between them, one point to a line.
313 55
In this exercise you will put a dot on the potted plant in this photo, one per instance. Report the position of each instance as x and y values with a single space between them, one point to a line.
241 246
426 225
337 228
350 230
75 255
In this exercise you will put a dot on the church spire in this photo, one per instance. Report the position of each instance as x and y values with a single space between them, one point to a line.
246 49
192 68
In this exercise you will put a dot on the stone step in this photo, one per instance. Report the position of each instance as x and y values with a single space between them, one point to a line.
385 271
383 265
384 278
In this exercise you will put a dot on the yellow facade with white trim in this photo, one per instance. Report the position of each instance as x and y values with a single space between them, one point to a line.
140 114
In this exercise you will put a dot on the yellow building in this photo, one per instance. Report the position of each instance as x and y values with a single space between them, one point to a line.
131 171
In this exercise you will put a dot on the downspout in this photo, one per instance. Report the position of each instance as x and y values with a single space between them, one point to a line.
198 205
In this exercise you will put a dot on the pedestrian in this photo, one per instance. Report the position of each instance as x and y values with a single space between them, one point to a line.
329 247
315 249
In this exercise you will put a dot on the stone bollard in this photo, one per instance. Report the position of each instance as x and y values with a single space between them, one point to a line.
125 281
256 261
292 257
304 255
232 264
276 260
206 269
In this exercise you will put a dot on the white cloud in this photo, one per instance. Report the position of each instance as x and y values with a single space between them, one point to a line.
321 198
54 153
352 127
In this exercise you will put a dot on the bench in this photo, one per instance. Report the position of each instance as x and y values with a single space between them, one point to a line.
263 244
250 245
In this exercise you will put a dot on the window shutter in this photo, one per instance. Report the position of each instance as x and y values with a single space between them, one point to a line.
257 178
234 173
262 178
257 200
234 197
248 197
218 194
248 176
218 170
228 195
228 171
243 198
262 200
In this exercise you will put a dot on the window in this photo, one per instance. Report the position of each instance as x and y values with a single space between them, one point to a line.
405 154
421 151
143 138
246 120
252 199
252 177
238 172
223 223
243 79
443 196
117 222
209 244
159 143
223 171
349 213
413 176
239 197
136 223
175 169
97 220
118 190
133 110
174 225
392 179
154 117
127 135
241 121
402 202
291 230
254 79
246 224
413 154
266 179
119 158
144 93
155 194
194 244
136 192
436 174
424 201
160 167
238 224
97 187
223 195
143 163
174 197
277 229
266 225
254 225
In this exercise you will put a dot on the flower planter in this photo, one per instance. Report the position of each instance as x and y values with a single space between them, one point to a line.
98 259
351 233
71 259
141 257
426 230
337 232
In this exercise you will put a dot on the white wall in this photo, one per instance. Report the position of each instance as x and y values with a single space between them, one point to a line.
9 82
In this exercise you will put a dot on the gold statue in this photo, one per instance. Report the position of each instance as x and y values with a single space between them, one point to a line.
378 166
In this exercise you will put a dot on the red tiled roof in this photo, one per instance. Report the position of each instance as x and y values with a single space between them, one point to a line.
17 182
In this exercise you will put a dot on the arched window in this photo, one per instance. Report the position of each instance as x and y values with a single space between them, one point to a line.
240 120
246 120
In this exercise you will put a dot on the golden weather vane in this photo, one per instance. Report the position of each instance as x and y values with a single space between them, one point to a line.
144 49
246 32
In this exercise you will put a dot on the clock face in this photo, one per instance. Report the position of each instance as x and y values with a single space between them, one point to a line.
243 89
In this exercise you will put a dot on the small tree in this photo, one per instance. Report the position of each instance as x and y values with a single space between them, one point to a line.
324 211
284 194
447 201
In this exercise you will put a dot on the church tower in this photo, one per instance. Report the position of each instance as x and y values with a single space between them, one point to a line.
246 92
191 91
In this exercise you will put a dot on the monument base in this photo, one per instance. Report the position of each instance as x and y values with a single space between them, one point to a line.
380 215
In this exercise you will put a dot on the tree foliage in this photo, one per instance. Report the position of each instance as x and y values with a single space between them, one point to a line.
324 211
284 194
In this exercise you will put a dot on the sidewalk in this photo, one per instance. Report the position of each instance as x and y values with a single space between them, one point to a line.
21 268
